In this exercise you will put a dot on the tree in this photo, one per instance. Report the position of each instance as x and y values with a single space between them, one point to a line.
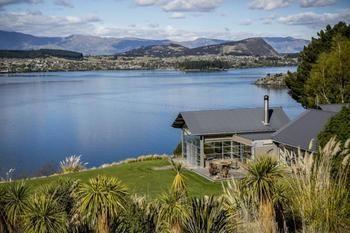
330 77
262 179
173 211
309 56
100 200
44 214
174 203
338 126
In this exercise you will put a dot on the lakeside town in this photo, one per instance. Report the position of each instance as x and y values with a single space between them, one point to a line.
90 63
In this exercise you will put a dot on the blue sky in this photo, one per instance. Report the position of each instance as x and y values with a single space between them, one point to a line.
173 19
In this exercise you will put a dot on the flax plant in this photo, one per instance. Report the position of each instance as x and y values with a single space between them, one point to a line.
206 215
178 184
174 207
45 214
253 201
14 202
100 200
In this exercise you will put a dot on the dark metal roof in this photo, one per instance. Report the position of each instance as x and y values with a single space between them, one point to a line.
332 107
257 136
248 120
304 129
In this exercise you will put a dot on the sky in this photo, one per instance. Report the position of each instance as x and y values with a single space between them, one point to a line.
179 20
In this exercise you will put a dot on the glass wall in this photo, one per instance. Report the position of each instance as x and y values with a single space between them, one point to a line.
192 149
214 149
226 149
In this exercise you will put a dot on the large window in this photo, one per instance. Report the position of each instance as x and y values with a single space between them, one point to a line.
192 149
224 149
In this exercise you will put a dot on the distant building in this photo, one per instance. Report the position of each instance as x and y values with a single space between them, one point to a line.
242 134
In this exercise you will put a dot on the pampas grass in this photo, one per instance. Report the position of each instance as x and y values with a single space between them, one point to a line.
72 164
319 192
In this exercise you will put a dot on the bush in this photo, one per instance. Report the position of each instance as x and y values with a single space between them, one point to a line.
338 126
72 164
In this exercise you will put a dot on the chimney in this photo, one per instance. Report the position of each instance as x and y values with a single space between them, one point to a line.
266 110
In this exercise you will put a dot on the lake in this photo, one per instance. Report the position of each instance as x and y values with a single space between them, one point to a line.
112 115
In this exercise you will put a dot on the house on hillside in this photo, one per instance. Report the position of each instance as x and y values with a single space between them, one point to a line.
241 134
237 134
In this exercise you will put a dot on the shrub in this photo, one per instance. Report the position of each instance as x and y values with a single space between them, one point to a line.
72 164
338 126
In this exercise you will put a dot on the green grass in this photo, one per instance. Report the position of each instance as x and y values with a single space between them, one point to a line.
141 178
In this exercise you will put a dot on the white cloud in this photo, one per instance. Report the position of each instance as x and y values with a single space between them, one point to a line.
65 3
177 15
193 5
172 33
246 22
276 4
12 2
269 4
269 19
182 5
312 19
316 3
39 24
146 2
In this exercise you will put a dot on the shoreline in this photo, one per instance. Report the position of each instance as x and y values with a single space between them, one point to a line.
276 81
54 64
8 74
139 158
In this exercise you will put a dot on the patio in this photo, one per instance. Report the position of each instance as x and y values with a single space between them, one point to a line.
219 170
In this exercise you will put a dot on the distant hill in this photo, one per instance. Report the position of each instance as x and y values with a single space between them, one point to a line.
41 53
247 47
105 46
287 44
94 45
170 50
200 42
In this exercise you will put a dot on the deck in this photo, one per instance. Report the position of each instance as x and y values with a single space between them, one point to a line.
204 172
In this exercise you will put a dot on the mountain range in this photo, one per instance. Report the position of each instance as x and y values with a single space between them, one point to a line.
94 45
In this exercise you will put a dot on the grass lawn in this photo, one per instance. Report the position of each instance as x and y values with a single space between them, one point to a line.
141 178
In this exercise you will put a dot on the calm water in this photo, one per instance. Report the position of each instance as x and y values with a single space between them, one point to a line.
109 116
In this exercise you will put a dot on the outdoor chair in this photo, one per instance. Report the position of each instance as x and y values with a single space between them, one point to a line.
225 172
213 170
